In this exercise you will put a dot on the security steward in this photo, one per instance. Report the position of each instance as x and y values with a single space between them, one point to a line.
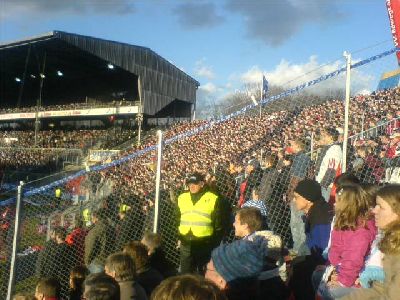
201 224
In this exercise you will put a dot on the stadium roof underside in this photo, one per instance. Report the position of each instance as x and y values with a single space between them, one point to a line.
84 65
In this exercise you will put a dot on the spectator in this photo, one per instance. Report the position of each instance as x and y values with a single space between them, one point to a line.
187 287
201 224
157 257
351 239
58 260
318 217
269 178
76 278
253 174
278 205
329 161
299 170
248 220
234 267
99 242
148 277
101 286
76 239
121 267
46 257
271 280
48 289
258 203
131 223
387 217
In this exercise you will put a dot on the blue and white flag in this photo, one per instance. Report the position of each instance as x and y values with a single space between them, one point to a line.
264 87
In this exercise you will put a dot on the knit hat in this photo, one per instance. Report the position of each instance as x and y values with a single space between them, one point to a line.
240 259
309 189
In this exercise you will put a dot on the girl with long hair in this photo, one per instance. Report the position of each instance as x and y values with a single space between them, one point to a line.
352 234
387 218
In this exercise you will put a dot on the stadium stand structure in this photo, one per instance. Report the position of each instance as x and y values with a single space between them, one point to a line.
75 68
86 93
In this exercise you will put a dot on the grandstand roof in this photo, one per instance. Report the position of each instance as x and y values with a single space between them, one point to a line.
83 61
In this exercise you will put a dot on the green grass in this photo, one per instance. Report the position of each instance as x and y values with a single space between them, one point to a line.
27 285
29 235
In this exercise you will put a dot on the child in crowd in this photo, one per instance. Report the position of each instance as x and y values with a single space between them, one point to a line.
258 203
351 238
48 289
387 218
157 257
76 278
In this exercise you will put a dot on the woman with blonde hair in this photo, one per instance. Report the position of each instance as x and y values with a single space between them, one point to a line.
352 234
387 217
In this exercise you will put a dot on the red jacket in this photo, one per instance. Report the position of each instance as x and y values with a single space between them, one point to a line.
76 239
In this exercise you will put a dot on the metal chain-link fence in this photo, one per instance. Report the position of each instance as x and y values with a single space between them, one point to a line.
255 157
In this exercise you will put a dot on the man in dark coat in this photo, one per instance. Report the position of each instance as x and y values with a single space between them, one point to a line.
99 242
57 259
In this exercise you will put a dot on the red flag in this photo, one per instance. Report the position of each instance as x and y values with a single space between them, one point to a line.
393 7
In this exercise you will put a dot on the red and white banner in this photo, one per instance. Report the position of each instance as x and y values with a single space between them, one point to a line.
393 7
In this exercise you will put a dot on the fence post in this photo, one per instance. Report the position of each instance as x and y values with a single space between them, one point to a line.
15 242
312 146
346 111
158 180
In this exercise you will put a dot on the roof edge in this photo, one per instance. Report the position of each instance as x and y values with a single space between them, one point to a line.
28 40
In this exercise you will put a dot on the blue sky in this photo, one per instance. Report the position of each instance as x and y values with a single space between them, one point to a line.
223 44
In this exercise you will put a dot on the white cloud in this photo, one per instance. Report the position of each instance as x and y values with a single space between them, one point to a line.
203 70
209 88
288 75
253 75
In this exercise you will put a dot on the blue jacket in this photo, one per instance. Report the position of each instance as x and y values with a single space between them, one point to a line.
318 227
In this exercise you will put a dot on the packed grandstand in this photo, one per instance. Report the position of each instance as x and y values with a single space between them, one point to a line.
116 175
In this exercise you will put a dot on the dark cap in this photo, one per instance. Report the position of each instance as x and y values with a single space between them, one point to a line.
309 189
195 177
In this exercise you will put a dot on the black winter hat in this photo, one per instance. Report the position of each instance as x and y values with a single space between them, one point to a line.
309 189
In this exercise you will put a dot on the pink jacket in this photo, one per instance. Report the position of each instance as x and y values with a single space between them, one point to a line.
348 251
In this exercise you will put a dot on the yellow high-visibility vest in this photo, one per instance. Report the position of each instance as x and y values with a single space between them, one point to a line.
58 193
123 208
197 218
86 215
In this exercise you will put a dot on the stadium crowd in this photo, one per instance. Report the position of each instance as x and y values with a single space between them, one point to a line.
67 106
18 152
337 228
354 253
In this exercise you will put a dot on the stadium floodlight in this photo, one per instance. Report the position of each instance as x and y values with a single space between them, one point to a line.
59 73
17 79
110 66
33 76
